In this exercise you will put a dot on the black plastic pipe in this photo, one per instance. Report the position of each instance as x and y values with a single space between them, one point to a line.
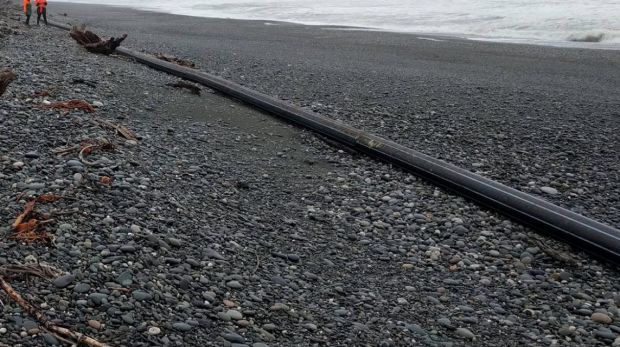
598 239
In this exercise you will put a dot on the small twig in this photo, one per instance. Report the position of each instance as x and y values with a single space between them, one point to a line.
81 155
39 270
43 222
559 256
66 150
27 209
257 264
20 196
63 213
120 129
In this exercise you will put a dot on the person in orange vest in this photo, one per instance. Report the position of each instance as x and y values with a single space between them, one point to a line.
41 10
27 10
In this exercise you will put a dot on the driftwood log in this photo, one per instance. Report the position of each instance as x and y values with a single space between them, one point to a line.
94 43
6 77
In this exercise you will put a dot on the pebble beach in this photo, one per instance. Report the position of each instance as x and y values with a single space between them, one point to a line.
218 225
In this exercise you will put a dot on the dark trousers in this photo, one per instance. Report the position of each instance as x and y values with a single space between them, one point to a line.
42 11
27 19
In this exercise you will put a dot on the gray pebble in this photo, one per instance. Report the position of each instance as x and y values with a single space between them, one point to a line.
64 281
234 284
233 337
466 333
141 295
180 326
549 190
81 287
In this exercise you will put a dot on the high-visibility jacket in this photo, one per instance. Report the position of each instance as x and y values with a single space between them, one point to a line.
27 7
41 3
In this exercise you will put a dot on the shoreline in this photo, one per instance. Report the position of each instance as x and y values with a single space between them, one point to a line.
495 39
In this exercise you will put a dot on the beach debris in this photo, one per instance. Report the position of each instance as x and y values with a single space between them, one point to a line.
83 81
27 209
92 144
6 77
555 254
175 60
66 150
88 146
41 94
94 43
107 180
182 84
26 227
121 130
60 332
36 269
74 104
48 198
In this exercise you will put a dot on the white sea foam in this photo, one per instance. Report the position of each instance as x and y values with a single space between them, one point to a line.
538 20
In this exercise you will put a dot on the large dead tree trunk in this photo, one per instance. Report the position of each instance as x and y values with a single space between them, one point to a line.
94 43
6 77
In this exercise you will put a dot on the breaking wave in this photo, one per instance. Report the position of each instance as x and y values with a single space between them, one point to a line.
587 21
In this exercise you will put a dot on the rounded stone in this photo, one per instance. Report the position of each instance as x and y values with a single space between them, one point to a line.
234 314
234 284
81 287
95 324
466 333
180 326
601 318
233 337
549 190
63 281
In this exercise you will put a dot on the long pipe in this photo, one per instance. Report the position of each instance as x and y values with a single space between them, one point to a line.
601 240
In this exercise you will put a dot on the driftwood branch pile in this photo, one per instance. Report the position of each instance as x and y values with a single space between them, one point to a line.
94 43
64 334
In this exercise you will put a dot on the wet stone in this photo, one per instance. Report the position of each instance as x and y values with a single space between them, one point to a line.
64 281
180 326
125 279
233 337
466 333
141 295
81 287
601 318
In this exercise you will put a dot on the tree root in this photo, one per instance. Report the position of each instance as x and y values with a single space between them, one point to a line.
94 43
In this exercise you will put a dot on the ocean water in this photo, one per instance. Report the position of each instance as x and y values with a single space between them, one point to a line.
504 20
